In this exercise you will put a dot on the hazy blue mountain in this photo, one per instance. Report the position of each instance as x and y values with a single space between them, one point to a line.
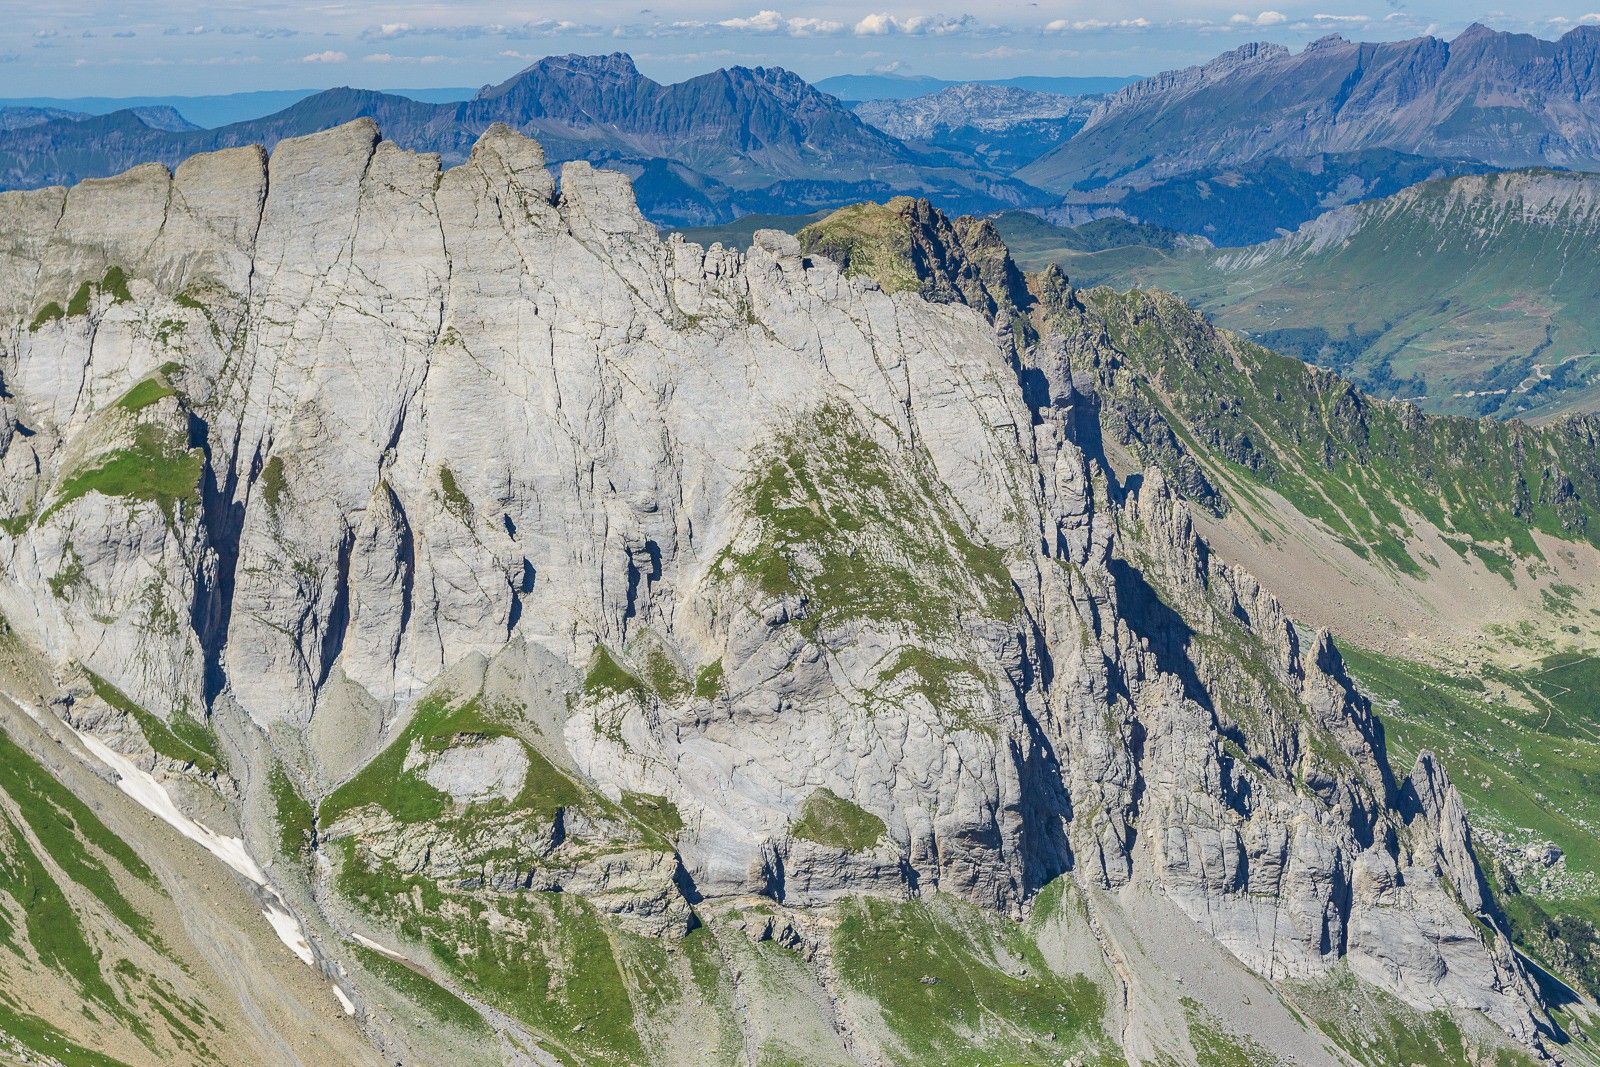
1242 205
995 127
1506 99
210 112
1473 295
907 86
705 150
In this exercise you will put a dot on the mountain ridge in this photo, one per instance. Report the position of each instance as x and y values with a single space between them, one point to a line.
735 136
1474 291
1417 96
448 496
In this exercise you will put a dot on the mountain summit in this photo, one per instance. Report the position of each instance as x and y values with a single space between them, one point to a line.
1511 100
603 649
712 147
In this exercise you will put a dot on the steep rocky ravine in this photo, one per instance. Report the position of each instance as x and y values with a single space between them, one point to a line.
617 646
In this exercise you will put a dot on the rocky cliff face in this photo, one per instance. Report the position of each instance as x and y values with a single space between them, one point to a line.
578 572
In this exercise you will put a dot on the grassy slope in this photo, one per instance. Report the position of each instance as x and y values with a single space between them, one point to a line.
84 976
1454 286
1355 464
1523 744
1524 749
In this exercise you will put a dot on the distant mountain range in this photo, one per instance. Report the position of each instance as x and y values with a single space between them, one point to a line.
1475 295
209 112
159 117
861 87
996 127
1240 150
1505 99
710 148
1245 204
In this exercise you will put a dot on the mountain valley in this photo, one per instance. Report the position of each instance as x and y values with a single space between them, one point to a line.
607 572
595 648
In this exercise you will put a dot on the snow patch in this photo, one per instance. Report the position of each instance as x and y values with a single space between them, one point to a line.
151 795
381 950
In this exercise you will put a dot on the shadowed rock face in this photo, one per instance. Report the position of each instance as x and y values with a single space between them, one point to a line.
289 441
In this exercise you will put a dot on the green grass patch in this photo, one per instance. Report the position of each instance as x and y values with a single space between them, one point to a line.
274 483
442 1006
1378 1030
437 724
86 852
661 672
78 305
656 812
158 466
944 682
862 533
69 576
50 312
38 1036
145 393
182 739
606 677
830 820
871 240
455 501
1217 1046
709 682
296 819
551 962
958 985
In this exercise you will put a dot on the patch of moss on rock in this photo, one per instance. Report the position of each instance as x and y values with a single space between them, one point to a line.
830 820
157 466
860 532
870 240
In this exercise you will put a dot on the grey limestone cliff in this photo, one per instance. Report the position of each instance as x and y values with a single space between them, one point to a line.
771 585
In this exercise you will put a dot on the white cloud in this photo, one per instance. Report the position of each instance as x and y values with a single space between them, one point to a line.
533 27
814 27
1093 25
760 22
325 57
883 23
766 21
1344 19
1266 18
385 57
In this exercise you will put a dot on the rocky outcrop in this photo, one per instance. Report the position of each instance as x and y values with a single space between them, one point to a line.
322 427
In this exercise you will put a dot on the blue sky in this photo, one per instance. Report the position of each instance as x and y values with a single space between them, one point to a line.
93 47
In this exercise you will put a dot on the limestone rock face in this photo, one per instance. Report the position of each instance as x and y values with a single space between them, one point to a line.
305 433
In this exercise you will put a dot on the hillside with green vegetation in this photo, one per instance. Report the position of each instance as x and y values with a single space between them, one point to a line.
1273 450
1475 295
